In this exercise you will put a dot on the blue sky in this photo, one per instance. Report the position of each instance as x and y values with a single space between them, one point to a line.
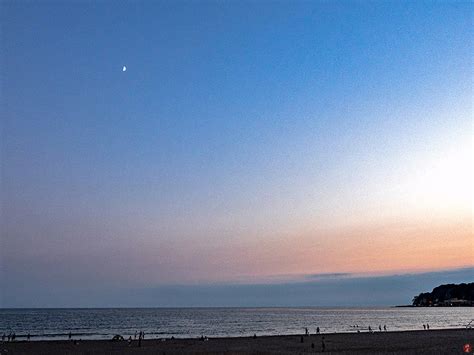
245 140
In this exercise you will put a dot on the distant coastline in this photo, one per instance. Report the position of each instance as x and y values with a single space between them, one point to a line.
449 295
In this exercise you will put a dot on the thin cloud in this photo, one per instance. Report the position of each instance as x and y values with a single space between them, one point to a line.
335 275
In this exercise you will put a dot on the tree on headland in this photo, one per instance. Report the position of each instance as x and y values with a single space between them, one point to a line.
449 295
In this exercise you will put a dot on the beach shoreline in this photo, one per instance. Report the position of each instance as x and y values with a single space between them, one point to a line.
443 341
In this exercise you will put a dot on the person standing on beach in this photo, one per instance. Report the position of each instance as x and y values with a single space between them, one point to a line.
140 339
317 330
380 328
370 329
28 337
424 327
70 335
385 327
427 326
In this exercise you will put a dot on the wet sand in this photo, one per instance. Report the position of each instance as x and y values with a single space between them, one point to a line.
449 341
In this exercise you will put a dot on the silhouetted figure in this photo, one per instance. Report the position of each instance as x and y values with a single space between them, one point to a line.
380 328
70 335
129 340
370 329
306 331
323 345
255 336
28 337
13 336
385 328
140 340
135 336
317 330
424 327
9 336
427 326
143 335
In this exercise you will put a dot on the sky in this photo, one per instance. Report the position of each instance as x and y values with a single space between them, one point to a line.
248 145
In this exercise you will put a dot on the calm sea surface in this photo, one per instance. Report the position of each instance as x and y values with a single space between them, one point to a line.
54 324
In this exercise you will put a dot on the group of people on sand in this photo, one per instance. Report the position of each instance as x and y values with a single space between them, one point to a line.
371 330
318 331
323 343
384 328
141 336
306 331
426 326
10 337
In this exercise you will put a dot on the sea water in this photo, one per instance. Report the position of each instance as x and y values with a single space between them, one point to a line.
54 324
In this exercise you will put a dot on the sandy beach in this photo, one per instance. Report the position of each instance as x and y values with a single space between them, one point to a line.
449 341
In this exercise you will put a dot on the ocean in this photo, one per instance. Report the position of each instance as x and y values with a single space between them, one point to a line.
55 324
